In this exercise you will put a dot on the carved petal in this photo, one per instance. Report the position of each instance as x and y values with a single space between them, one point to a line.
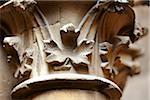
80 59
56 56
69 36
85 48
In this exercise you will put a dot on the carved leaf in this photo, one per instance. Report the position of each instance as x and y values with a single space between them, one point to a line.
116 58
71 53
25 56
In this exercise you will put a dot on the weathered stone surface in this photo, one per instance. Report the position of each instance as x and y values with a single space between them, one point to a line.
97 41
70 95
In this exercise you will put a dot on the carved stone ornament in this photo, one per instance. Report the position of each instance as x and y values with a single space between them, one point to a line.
71 54
95 55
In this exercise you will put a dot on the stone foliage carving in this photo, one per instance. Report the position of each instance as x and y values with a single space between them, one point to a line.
71 54
102 40
25 56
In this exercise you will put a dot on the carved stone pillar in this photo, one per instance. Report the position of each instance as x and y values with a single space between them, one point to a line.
70 50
